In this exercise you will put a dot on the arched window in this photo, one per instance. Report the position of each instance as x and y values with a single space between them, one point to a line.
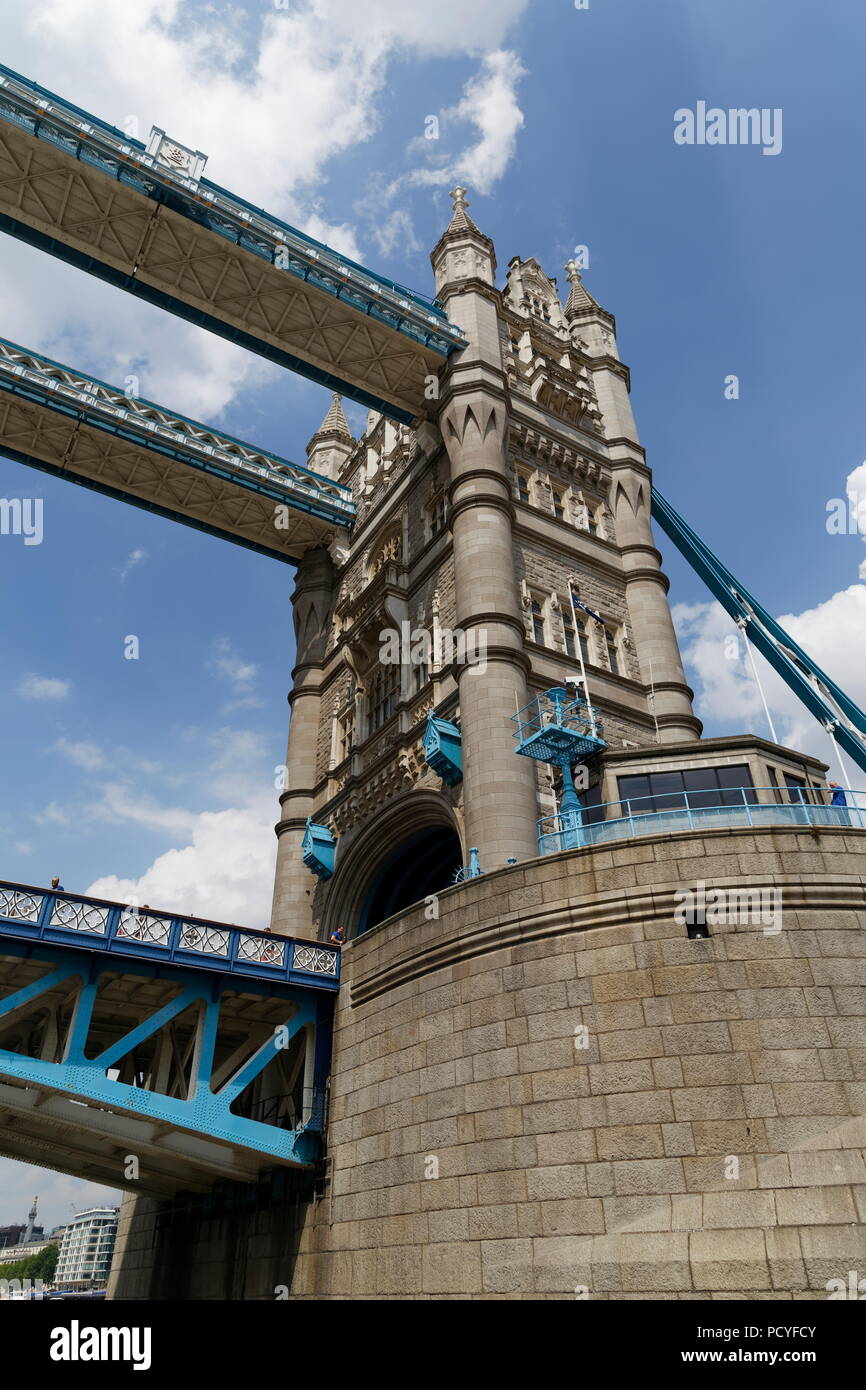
384 691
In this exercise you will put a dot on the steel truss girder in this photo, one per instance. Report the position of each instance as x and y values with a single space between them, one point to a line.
836 711
60 421
81 190
204 1114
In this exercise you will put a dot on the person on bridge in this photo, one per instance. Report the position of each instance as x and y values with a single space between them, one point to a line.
57 886
838 797
338 936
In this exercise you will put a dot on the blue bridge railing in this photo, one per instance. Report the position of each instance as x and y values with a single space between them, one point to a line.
96 924
633 817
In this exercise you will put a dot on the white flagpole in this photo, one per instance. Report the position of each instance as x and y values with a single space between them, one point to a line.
592 723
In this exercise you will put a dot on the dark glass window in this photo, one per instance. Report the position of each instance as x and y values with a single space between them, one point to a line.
612 661
796 787
537 622
706 786
590 800
584 644
568 630
523 488
558 508
383 695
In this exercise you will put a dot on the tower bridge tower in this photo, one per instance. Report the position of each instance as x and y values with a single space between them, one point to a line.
528 478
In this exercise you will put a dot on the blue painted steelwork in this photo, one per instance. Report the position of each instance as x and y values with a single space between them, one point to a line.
207 1109
443 749
835 710
471 870
82 136
72 394
97 925
557 728
87 940
319 849
631 821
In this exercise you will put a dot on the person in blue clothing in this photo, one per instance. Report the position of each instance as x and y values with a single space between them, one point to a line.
338 936
57 886
838 797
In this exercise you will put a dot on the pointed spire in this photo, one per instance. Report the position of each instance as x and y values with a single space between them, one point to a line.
332 443
460 220
335 425
463 252
579 298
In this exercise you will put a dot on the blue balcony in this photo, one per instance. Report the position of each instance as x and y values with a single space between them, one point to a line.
442 749
558 728
745 807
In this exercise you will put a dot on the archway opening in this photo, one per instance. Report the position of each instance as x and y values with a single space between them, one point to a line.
424 864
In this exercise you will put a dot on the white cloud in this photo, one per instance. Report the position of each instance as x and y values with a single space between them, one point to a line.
228 663
239 675
225 871
87 755
134 558
54 814
490 103
271 102
834 635
34 687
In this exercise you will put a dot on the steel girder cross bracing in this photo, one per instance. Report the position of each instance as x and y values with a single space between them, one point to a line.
144 219
202 1050
823 698
71 425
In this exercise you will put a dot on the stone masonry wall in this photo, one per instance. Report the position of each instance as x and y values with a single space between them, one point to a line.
707 1143
606 1168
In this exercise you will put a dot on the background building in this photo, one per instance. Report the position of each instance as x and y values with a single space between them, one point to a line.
86 1249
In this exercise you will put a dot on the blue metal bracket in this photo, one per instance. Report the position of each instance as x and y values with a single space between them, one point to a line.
442 749
823 698
319 849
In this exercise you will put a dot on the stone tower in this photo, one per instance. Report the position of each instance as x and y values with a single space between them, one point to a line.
566 1075
529 474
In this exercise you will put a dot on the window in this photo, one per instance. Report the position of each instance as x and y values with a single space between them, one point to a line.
345 734
612 657
420 676
796 787
436 514
539 634
558 506
706 786
383 695
590 800
591 524
582 638
523 488
568 630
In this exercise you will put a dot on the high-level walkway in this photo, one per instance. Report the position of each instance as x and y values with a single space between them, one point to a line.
143 218
197 1049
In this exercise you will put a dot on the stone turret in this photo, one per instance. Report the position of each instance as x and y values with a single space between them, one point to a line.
332 443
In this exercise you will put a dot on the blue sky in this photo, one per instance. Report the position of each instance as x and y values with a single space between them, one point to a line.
157 774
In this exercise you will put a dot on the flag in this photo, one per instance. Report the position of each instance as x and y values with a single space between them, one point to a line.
578 604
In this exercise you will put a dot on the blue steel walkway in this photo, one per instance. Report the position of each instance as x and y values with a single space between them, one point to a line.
200 1047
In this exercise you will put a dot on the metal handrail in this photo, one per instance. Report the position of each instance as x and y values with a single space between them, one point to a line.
98 924
572 830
